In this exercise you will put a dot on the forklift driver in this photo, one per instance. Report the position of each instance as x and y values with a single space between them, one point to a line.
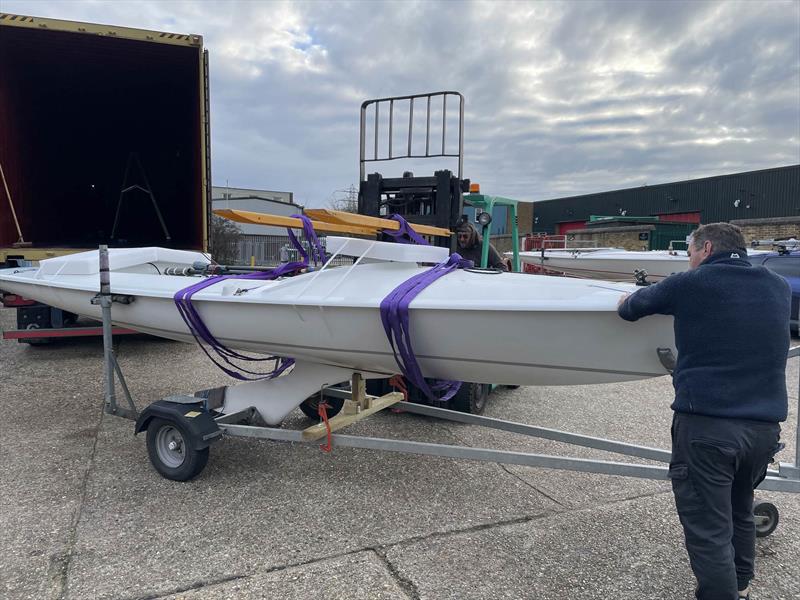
469 247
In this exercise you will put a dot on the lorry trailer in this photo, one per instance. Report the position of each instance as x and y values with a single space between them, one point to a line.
104 138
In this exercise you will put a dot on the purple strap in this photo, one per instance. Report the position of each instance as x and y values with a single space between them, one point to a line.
405 235
317 251
206 340
395 319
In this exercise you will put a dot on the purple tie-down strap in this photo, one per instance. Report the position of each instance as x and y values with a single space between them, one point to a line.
201 334
406 234
317 251
203 337
395 319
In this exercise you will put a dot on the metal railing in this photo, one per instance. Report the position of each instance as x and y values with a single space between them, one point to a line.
555 242
272 250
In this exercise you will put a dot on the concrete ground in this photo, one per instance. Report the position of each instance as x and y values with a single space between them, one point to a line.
83 515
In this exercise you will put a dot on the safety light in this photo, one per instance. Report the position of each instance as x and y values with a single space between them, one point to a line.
474 188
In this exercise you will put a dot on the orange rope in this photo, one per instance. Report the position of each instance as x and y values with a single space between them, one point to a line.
323 414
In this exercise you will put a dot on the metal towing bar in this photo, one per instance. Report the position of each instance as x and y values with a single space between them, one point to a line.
785 479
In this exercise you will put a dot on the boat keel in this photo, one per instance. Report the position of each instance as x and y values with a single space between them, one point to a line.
275 398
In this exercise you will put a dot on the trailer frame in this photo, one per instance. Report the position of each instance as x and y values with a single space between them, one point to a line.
786 478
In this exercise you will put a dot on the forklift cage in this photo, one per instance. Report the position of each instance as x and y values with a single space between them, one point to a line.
378 156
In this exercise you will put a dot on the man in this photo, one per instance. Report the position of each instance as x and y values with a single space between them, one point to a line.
470 245
732 337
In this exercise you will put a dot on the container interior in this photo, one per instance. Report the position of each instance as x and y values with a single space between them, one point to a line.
75 109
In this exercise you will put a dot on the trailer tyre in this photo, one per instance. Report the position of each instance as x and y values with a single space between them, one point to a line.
310 406
766 517
170 450
471 398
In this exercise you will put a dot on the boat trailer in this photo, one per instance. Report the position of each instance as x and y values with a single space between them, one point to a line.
180 430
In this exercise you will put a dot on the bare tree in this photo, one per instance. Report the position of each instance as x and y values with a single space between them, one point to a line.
225 236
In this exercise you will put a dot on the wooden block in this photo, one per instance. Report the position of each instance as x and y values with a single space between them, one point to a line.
358 387
318 431
350 407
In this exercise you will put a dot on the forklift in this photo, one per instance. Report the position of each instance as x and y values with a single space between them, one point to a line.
436 200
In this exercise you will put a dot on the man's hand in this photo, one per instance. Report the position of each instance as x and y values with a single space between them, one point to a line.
622 299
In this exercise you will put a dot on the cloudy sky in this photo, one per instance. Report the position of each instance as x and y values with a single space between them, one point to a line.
562 98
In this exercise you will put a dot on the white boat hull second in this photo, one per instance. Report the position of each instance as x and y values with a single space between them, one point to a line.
616 265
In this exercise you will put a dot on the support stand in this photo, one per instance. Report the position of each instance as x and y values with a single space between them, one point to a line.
110 365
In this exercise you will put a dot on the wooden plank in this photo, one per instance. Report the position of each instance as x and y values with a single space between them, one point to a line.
318 431
256 218
346 218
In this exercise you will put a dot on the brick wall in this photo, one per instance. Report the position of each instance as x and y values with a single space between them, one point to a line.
767 229
611 237
524 218
502 243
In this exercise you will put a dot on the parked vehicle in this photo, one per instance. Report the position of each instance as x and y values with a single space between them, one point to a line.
785 263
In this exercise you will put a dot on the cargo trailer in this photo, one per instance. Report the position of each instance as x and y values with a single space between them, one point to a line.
104 139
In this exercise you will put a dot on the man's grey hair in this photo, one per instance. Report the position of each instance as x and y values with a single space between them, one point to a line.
724 237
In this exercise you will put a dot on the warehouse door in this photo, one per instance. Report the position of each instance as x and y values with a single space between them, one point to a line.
567 226
687 217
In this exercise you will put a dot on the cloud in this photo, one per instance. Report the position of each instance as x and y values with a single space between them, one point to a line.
561 98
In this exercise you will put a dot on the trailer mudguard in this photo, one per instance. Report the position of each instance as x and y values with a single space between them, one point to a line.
198 423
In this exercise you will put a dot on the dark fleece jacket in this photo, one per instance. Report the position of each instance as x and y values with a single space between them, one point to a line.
472 249
732 336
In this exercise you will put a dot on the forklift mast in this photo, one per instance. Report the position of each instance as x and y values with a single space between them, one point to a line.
429 200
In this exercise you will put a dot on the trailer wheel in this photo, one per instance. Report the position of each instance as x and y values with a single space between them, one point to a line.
170 450
471 398
310 406
766 518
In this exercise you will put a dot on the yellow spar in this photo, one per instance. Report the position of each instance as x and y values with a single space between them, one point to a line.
328 221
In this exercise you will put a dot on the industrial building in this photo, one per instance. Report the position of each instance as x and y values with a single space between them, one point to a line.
264 201
765 203
256 244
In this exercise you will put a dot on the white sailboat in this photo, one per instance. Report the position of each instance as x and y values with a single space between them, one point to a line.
610 264
470 325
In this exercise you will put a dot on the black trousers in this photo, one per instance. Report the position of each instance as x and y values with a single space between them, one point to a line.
716 464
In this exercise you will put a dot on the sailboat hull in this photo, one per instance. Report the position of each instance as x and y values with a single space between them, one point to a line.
469 325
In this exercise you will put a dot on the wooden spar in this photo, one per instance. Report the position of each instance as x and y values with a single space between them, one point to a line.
338 216
256 218
21 241
329 221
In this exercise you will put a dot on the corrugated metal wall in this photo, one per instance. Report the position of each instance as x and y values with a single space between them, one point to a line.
750 195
